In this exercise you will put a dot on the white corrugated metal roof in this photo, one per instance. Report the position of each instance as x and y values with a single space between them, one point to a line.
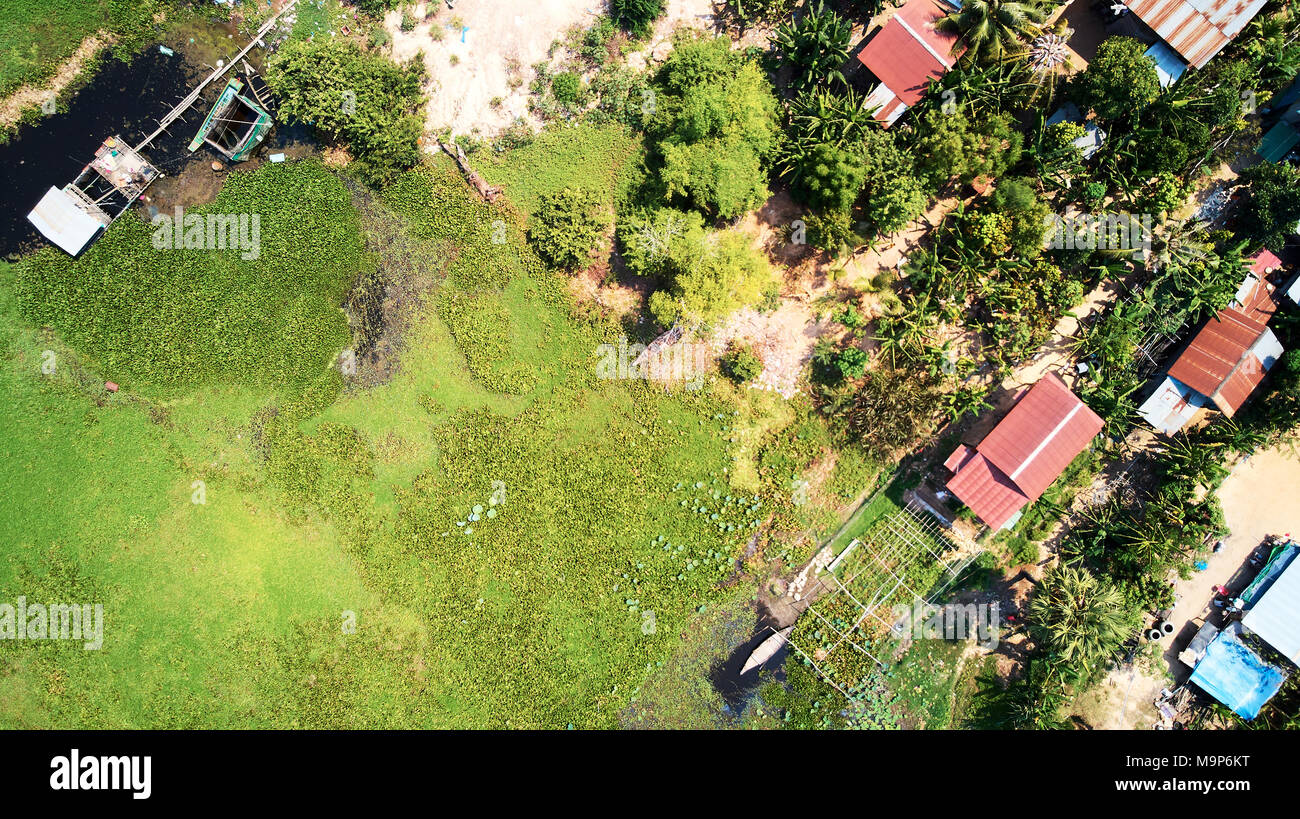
59 218
1196 29
1171 406
1275 617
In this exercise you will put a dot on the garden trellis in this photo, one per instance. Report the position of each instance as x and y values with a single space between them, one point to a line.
903 558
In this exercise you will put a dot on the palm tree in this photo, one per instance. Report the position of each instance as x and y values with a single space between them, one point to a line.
1179 246
1079 617
995 28
817 45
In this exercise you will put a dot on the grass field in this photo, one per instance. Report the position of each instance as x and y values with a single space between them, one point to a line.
603 159
521 542
36 35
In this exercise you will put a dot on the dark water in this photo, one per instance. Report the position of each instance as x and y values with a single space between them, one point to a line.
735 688
122 99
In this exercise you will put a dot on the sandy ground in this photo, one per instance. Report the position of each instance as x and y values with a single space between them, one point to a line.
1258 500
495 44
471 64
12 106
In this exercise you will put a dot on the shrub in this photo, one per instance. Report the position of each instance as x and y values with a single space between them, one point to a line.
705 276
740 364
314 79
832 232
567 87
568 227
637 17
830 178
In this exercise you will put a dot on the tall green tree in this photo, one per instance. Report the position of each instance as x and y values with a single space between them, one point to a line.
713 129
1079 617
1119 82
995 29
1269 213
362 99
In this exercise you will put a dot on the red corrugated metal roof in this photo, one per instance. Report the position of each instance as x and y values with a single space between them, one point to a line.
908 51
1028 450
1041 434
988 491
958 458
1239 385
1196 29
1215 351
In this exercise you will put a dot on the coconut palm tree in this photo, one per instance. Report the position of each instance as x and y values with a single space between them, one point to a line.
1078 617
994 29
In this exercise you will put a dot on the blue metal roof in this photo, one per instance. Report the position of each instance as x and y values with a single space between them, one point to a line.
1169 66
1236 676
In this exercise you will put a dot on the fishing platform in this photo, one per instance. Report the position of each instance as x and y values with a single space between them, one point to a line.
73 216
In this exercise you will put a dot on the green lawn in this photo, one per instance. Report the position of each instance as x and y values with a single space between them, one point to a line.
603 159
36 35
615 499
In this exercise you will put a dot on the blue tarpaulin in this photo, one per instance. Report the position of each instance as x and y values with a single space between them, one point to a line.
1236 676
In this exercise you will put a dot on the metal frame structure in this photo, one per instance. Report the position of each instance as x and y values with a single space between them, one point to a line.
878 566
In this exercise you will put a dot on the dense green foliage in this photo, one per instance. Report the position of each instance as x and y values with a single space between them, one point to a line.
1119 82
830 178
995 29
816 45
636 17
957 146
360 98
168 320
1270 211
713 128
568 227
740 364
1078 618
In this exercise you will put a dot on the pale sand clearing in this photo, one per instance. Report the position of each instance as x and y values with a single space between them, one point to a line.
498 40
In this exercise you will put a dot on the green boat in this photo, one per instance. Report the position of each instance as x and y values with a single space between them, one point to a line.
235 126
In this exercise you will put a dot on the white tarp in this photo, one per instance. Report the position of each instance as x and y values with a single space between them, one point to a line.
1267 349
59 219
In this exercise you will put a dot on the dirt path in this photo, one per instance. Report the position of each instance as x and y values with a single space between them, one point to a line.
12 106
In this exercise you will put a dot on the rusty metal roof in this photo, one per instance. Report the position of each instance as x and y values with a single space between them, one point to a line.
1214 355
1196 29
1025 452
1256 300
